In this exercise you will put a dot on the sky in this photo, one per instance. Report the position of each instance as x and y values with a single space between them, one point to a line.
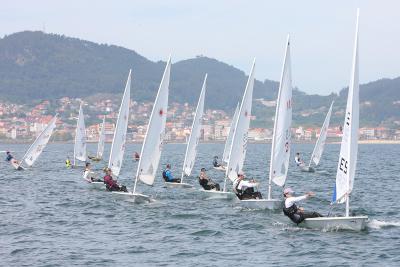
232 31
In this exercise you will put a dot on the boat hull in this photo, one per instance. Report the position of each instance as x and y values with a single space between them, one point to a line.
96 185
307 169
354 223
178 185
213 194
95 159
264 204
220 168
17 167
137 198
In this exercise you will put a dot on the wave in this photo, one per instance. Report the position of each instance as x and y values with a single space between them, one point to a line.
376 224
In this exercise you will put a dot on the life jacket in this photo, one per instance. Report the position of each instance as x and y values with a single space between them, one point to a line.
291 212
164 175
238 192
108 181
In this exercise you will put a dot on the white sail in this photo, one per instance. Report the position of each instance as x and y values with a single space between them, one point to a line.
280 151
40 143
228 143
118 143
154 139
80 137
320 144
349 146
195 134
102 139
239 140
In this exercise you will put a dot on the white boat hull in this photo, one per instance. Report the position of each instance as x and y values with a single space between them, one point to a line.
178 185
97 185
137 198
220 168
263 204
354 223
17 166
307 169
213 194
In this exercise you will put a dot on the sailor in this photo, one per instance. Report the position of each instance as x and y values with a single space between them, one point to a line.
167 175
290 209
298 160
215 162
206 182
9 156
136 156
112 184
68 163
89 175
246 189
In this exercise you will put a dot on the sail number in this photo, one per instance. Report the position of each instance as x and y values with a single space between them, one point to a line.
343 165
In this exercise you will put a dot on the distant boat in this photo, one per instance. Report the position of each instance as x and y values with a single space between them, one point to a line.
37 147
320 144
347 160
191 148
80 138
100 145
228 142
153 141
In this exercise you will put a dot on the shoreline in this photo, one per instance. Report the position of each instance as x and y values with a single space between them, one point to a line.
361 142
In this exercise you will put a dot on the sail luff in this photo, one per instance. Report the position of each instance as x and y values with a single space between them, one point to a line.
119 139
194 137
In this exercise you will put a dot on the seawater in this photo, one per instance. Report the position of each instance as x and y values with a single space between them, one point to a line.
50 217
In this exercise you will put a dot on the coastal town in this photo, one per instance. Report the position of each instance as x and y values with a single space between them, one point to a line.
19 123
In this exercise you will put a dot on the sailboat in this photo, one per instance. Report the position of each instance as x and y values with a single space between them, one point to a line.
80 138
239 140
191 148
228 143
37 147
319 145
280 150
153 141
100 145
347 160
118 143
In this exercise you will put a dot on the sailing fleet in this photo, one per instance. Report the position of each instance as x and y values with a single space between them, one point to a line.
235 149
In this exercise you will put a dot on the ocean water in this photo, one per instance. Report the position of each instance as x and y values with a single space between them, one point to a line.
50 217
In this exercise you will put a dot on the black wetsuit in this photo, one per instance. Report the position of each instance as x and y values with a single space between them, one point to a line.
298 216
248 193
215 163
207 184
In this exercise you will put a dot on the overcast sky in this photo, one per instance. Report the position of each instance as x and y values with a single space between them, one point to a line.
322 33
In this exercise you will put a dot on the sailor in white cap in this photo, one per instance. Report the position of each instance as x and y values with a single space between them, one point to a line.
246 189
290 209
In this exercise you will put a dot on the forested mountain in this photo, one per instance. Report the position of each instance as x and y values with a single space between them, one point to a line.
35 66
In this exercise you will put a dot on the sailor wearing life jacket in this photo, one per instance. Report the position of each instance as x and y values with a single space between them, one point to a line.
246 189
298 160
290 209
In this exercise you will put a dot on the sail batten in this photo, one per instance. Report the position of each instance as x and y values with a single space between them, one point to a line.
195 133
349 146
239 140
40 143
281 141
119 139
154 139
